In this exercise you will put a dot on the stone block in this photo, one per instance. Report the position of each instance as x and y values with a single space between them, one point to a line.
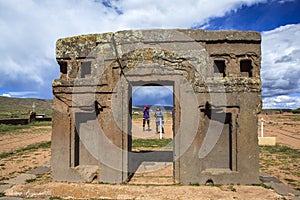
266 141
21 179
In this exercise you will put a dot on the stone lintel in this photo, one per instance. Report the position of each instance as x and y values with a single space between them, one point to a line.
82 45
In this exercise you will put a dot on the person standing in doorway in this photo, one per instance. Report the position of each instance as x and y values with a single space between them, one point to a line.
146 117
159 119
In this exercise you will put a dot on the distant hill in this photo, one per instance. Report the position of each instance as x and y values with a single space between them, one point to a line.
296 111
279 111
140 108
20 107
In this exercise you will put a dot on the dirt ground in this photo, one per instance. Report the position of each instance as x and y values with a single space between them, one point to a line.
285 127
137 129
25 160
24 137
146 185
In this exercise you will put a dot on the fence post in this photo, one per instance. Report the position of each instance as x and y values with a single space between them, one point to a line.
160 128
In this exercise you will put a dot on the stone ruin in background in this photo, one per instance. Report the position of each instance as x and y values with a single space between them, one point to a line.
215 77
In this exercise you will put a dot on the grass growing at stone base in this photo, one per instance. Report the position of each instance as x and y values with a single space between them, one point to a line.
261 184
277 159
8 128
55 198
151 144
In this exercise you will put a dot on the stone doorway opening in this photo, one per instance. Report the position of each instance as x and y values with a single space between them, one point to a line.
151 157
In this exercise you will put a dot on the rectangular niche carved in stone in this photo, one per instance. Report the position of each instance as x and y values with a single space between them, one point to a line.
223 130
79 151
219 68
246 68
63 67
86 69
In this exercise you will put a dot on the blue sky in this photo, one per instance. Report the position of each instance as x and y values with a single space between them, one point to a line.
30 28
259 17
152 95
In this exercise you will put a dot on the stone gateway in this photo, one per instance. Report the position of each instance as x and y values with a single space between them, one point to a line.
215 77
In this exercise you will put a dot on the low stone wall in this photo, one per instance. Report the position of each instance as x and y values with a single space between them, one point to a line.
46 119
22 121
14 121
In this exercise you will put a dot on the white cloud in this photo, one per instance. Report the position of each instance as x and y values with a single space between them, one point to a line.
22 94
173 14
29 32
282 101
281 61
284 1
6 95
28 35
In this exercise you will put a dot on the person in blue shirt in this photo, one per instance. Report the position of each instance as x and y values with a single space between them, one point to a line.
146 117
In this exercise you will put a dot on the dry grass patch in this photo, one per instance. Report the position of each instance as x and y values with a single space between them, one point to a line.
282 162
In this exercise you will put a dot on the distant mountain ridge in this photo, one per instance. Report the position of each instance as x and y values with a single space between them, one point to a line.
141 107
20 107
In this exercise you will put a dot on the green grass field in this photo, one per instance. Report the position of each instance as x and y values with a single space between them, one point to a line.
151 144
12 129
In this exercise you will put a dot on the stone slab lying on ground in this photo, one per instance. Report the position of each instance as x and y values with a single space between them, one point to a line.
39 170
10 198
20 179
4 187
278 186
106 191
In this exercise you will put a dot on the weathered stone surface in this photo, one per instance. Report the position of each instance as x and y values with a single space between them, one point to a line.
5 187
80 46
21 179
216 80
278 186
88 172
202 35
10 198
108 191
39 170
